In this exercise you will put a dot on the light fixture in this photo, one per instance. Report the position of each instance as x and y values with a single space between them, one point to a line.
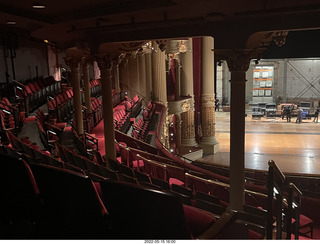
38 6
45 41
10 22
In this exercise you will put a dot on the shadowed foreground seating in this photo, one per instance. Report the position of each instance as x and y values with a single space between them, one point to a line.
144 213
20 201
72 207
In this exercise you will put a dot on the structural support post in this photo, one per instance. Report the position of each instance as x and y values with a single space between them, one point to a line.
74 64
188 136
86 84
116 76
238 62
105 65
285 79
208 141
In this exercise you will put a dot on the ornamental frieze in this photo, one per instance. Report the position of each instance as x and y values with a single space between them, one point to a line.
187 125
177 107
208 121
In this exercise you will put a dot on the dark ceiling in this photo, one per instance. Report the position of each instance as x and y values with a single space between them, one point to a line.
230 22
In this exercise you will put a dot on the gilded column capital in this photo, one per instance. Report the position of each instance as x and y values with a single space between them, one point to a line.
162 44
119 59
206 99
238 59
105 61
73 62
86 60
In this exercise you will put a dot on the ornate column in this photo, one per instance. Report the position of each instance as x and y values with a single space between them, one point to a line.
148 68
208 140
74 64
105 64
159 84
116 75
86 85
134 75
186 63
238 63
142 73
188 137
159 87
188 129
178 125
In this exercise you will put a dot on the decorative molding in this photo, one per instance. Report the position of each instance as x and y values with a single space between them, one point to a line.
105 61
207 100
131 46
238 59
208 121
187 125
162 44
280 37
86 60
73 62
178 107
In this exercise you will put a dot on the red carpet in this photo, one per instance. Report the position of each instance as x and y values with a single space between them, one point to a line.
30 119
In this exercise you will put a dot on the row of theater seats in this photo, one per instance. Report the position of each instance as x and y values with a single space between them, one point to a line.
188 182
285 202
86 143
141 128
120 172
95 88
60 106
124 111
50 131
121 120
91 120
34 94
12 118
58 201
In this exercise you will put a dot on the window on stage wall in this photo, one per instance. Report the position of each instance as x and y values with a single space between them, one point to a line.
263 81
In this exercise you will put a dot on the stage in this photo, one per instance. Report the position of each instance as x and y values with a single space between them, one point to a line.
294 147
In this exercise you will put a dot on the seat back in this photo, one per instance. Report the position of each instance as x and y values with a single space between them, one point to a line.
72 206
20 201
144 213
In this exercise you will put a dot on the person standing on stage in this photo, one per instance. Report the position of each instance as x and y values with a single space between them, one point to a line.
316 114
299 116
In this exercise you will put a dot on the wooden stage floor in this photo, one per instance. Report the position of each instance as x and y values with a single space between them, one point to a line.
294 147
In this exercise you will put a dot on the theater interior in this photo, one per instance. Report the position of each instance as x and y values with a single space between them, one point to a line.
111 127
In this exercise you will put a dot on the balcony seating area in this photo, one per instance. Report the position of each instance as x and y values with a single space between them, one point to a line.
95 88
33 94
79 211
49 130
60 106
198 198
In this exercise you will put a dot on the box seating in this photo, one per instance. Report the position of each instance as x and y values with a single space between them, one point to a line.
14 110
33 94
95 88
96 106
60 106
121 120
7 124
